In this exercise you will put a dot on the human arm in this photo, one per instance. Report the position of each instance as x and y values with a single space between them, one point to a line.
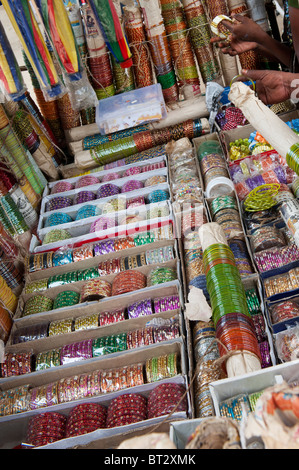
273 86
247 35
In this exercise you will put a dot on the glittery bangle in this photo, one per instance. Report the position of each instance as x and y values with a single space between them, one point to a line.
102 223
66 299
104 247
95 289
161 275
62 279
60 327
107 190
128 281
86 322
82 253
76 352
86 211
141 308
164 304
56 235
131 186
37 304
47 359
58 202
16 364
87 181
84 196
36 286
60 258
58 218
61 187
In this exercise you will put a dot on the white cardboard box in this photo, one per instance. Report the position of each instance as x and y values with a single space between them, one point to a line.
224 389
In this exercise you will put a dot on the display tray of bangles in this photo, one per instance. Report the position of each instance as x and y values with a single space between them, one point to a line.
223 391
68 217
104 416
240 133
113 325
65 350
86 379
108 222
95 290
282 285
158 253
104 175
99 192
283 314
108 225
90 255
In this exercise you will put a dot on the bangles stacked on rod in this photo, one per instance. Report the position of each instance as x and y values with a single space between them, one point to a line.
142 67
143 141
159 47
98 59
234 326
179 44
200 38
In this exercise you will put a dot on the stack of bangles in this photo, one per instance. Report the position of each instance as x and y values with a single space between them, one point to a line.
284 311
162 367
128 281
233 323
160 275
95 289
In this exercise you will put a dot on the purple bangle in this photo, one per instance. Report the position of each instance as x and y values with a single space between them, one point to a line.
265 354
104 247
76 351
131 186
166 303
58 202
139 309
107 190
84 196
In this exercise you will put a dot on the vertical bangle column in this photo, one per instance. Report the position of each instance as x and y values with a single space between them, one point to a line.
179 43
159 47
200 38
141 56
98 58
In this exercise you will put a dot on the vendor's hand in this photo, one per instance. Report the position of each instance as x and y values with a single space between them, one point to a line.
245 29
233 47
245 35
272 86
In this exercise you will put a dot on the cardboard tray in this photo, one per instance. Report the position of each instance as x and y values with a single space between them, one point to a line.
77 287
96 260
101 363
95 187
180 431
101 173
224 389
243 132
80 238
282 325
14 431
